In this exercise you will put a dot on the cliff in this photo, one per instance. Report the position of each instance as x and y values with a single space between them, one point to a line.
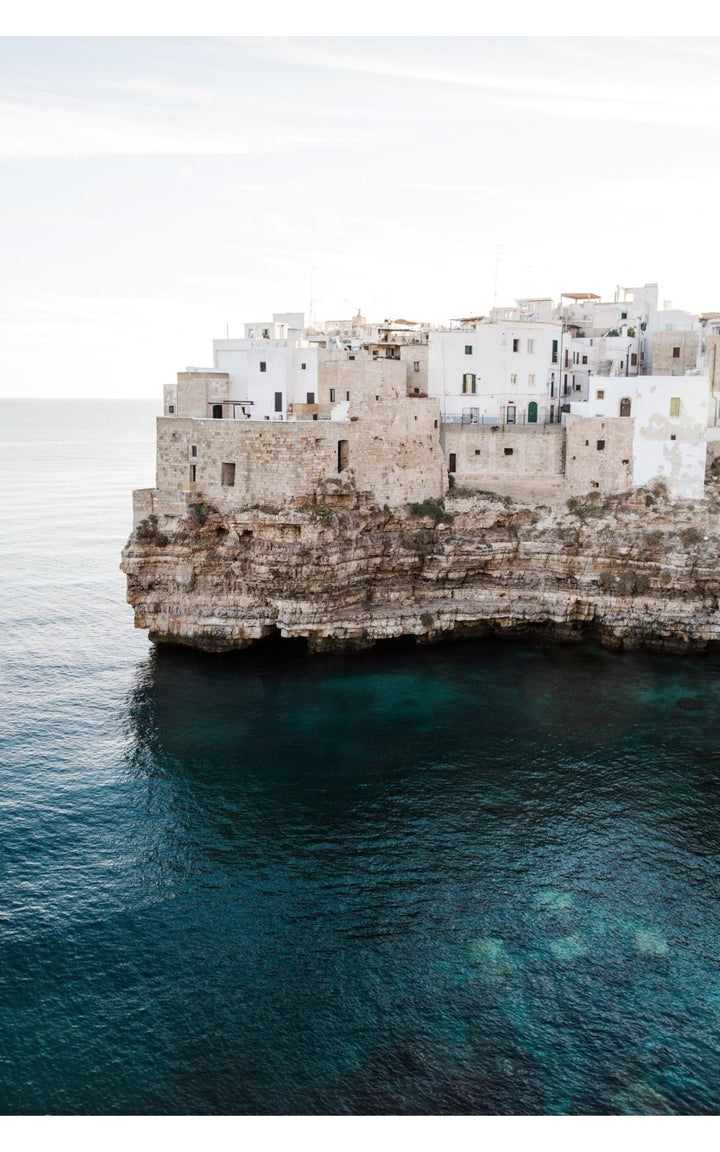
637 570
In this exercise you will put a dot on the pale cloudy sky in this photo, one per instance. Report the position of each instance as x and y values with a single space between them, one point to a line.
154 190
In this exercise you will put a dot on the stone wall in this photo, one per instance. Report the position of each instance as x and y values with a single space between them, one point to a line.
599 454
363 378
667 364
522 462
197 391
391 455
417 378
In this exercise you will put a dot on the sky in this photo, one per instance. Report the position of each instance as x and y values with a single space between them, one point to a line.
159 192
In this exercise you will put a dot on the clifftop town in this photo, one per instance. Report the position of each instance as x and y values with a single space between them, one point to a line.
353 481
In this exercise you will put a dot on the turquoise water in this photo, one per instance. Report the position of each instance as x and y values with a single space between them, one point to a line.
475 879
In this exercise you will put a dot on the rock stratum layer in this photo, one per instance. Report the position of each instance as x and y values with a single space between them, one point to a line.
634 571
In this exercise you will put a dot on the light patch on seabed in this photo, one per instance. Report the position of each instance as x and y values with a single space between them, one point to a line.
640 1099
651 942
492 958
552 900
568 948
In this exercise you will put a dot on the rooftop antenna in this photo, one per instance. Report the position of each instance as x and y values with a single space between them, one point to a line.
498 254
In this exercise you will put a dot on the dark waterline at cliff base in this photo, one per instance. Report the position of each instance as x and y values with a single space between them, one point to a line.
478 878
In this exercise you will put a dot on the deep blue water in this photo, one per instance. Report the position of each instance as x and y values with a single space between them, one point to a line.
476 879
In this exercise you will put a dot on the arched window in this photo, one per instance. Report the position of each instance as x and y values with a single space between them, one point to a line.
625 406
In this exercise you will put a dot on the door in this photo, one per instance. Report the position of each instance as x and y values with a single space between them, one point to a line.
625 406
532 412
510 414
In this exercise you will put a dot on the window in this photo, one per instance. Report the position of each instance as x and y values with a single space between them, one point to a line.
674 405
673 437
623 315
477 451
263 366
266 333
531 379
508 451
303 367
278 401
516 345
217 411
227 475
676 353
452 462
171 408
193 449
347 395
351 357
555 352
310 397
416 365
469 384
343 454
193 473
578 387
584 359
513 377
600 394
600 445
468 349
332 395
531 345
633 359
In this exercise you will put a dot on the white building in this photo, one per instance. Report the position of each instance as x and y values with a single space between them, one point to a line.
496 373
670 417
270 369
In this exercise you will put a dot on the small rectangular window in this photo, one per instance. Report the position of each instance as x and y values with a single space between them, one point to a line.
171 408
468 349
531 345
600 394
477 451
193 473
509 451
633 359
310 397
332 395
303 367
674 405
676 353
263 366
531 379
227 475
416 365
584 359
193 449
347 395
513 377
351 357
554 351
516 345
601 445
623 315
278 401
452 462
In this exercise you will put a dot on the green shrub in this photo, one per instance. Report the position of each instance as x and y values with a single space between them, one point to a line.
433 509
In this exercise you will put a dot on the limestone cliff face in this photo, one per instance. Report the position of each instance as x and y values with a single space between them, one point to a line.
635 571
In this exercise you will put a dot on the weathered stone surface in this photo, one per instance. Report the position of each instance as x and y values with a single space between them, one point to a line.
635 570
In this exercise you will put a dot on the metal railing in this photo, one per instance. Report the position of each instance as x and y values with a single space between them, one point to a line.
500 421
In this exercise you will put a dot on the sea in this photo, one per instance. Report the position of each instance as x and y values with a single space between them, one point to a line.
459 880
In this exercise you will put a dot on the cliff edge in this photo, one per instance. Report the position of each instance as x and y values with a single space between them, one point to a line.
634 570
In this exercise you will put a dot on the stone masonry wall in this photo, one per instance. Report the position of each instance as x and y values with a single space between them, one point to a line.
588 467
393 456
521 462
664 363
